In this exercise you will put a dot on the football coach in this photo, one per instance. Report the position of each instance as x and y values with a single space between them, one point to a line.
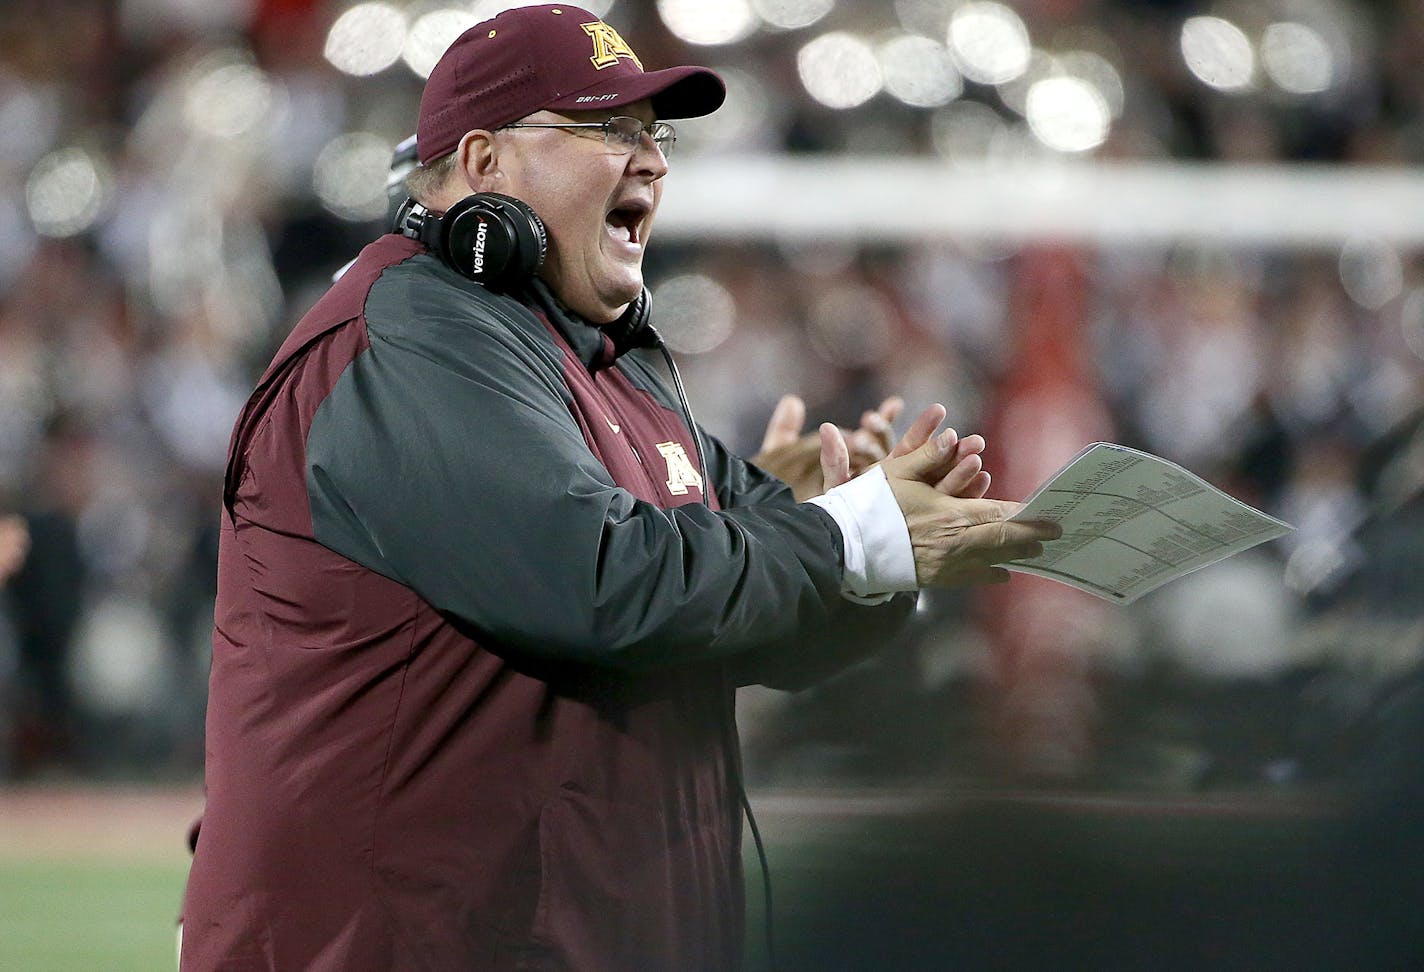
486 592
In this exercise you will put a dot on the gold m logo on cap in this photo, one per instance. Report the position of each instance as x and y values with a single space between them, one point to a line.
608 46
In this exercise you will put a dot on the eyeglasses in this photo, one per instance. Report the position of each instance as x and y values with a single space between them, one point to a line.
621 132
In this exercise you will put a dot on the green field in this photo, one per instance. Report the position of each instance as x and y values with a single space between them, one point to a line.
91 877
76 916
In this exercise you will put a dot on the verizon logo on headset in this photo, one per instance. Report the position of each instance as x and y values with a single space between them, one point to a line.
480 235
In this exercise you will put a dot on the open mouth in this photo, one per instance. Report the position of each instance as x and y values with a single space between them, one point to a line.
625 222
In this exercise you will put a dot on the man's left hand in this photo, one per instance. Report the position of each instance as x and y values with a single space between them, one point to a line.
795 457
966 478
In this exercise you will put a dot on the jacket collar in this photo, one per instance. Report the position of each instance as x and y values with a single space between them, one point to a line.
593 347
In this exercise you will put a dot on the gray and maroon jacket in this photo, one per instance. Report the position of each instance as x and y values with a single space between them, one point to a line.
476 645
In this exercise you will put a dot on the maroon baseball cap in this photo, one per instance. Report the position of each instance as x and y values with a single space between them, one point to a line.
552 56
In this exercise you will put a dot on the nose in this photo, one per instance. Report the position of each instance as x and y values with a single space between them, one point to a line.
647 159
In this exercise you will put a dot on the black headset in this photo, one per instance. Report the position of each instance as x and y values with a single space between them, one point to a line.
500 242
492 239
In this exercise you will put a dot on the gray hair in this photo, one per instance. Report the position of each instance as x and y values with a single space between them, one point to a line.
424 182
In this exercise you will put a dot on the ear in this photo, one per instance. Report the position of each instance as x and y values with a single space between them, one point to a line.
479 161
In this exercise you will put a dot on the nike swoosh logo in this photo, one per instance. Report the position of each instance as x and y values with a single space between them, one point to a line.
611 425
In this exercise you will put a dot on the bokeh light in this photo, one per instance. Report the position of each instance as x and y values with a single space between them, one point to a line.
350 175
708 22
1100 73
1014 93
792 14
121 654
431 34
366 39
695 313
840 70
1218 53
965 131
928 17
1067 114
972 136
228 96
67 191
1297 58
1371 272
919 71
989 42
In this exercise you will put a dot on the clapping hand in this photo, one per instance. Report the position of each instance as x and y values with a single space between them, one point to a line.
958 537
794 457
965 476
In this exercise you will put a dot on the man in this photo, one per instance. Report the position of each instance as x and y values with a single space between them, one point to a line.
482 606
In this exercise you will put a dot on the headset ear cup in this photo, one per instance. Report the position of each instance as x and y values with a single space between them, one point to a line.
639 314
634 329
493 239
530 227
475 240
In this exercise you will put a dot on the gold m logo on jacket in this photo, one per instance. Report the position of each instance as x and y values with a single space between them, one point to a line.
681 472
608 46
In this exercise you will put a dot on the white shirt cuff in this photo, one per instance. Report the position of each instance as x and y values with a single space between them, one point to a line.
879 560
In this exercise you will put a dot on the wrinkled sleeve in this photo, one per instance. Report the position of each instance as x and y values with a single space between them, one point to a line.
847 633
447 459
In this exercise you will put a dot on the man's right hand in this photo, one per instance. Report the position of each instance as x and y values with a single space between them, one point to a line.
957 537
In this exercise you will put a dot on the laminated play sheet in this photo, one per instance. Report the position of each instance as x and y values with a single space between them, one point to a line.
1134 521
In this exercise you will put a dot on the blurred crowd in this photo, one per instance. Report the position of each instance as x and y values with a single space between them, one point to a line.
178 180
